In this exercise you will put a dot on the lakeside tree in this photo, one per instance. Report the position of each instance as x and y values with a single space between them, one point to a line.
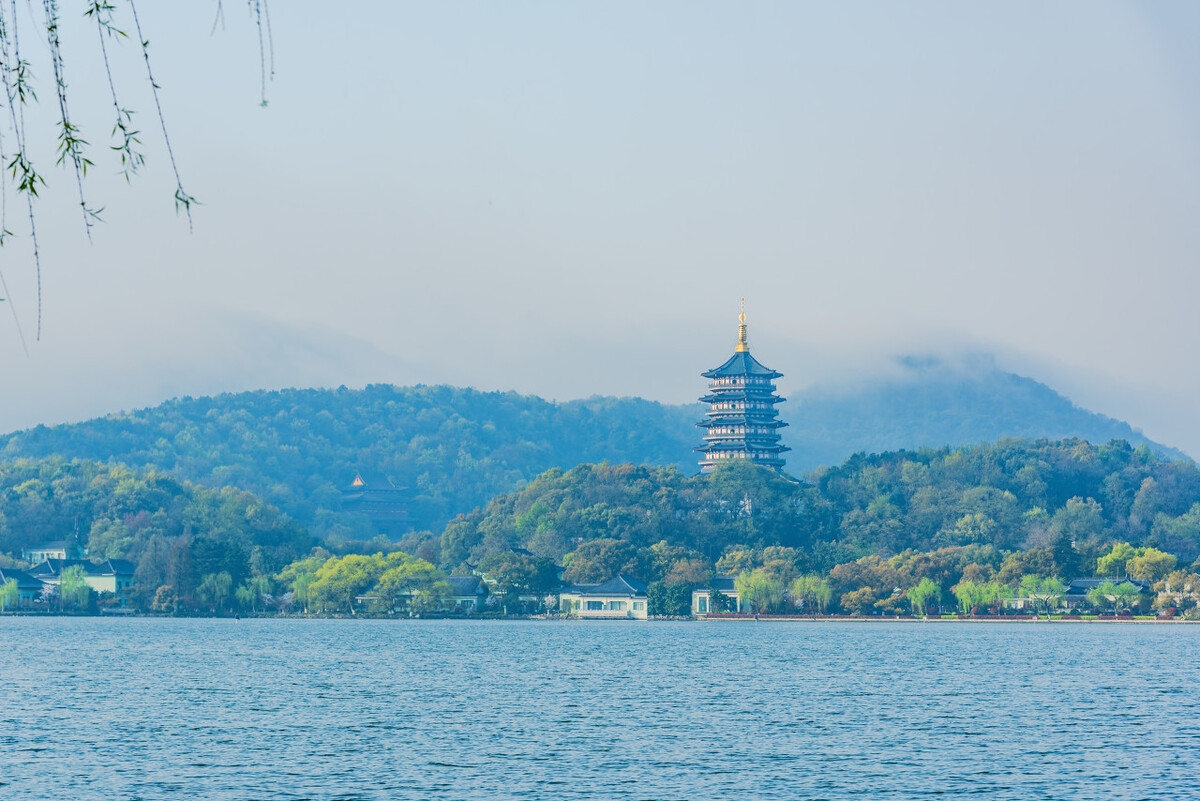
811 594
759 592
923 594
9 595
1044 592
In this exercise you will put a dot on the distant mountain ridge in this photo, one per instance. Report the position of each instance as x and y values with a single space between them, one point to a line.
455 449
931 404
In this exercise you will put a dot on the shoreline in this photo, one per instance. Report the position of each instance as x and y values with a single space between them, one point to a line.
982 619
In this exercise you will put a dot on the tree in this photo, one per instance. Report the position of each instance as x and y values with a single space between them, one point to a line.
166 601
1150 565
859 602
9 595
599 560
811 593
921 595
214 590
1044 592
1114 562
340 580
669 600
516 574
252 592
719 602
759 592
1126 597
73 588
1102 595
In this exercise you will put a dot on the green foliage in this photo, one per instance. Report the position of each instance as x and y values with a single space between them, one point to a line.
1045 592
974 596
925 593
759 592
599 560
9 595
176 533
720 602
213 590
517 573
73 588
859 602
454 449
811 594
669 600
395 579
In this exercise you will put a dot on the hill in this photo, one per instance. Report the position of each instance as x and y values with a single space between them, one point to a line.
1007 495
931 403
453 448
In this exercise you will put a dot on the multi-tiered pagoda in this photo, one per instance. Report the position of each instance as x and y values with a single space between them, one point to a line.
741 421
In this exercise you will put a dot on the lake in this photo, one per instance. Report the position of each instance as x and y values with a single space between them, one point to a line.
96 708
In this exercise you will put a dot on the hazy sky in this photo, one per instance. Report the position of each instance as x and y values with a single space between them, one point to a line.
570 198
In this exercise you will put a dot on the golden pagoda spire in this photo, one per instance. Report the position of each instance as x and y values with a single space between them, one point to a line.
742 347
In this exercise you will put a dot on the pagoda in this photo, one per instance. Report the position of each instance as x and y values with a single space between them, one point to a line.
741 421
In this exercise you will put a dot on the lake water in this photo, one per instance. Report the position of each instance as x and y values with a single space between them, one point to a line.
345 709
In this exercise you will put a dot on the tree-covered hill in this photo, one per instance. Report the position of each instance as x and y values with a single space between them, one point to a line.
931 403
993 516
453 448
174 531
1068 496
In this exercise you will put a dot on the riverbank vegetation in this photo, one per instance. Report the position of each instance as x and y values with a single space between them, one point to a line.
968 529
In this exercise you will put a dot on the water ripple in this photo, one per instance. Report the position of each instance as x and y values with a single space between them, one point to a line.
163 709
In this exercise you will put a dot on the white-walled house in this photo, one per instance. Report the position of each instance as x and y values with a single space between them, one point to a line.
47 550
111 575
702 596
619 597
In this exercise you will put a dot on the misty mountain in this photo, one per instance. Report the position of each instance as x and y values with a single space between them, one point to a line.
455 449
931 403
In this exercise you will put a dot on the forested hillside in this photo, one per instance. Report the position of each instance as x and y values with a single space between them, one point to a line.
928 403
453 448
993 516
175 532
1070 497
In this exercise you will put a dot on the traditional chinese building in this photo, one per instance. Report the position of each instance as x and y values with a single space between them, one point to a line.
741 421
380 499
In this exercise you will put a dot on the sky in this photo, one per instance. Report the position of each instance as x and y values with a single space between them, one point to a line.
570 199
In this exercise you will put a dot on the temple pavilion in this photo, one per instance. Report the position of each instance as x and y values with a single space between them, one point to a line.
741 421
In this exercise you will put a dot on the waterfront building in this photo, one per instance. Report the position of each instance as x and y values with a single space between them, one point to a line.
741 422
620 597
702 596
28 588
111 575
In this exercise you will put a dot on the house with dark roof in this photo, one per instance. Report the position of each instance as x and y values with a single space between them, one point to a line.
619 597
28 587
702 596
1076 594
467 593
111 575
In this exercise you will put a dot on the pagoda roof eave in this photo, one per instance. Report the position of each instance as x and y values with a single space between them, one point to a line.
742 364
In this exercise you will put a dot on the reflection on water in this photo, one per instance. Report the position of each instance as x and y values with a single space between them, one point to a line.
343 709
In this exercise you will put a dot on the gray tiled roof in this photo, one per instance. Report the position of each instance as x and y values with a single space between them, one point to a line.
620 585
466 585
24 580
